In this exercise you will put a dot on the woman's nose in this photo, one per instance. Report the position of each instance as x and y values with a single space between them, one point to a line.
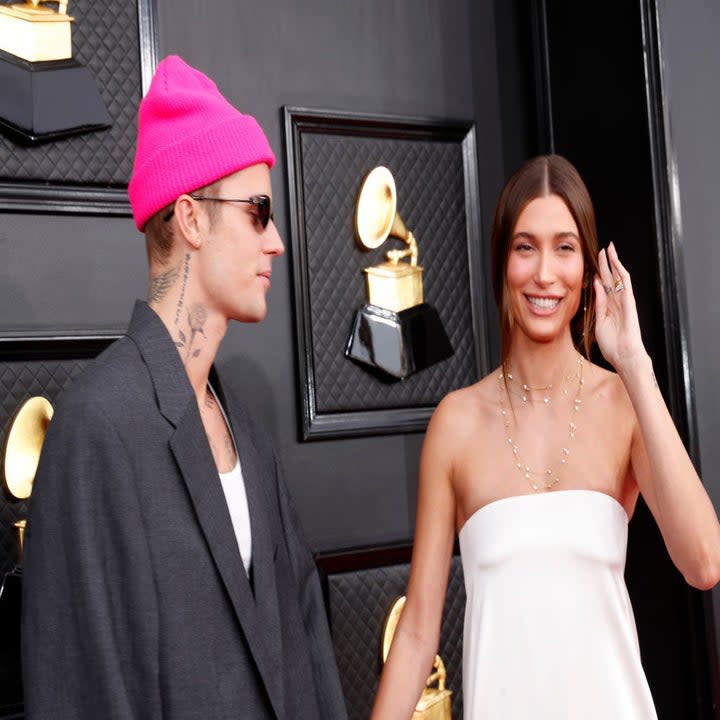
545 269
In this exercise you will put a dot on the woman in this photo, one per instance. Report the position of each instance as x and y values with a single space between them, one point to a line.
538 468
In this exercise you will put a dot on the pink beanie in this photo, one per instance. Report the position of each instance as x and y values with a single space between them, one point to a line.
189 136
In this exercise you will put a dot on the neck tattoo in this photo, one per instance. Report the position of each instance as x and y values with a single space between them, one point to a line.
181 299
546 478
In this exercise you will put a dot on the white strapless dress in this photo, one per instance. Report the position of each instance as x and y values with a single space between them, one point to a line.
549 629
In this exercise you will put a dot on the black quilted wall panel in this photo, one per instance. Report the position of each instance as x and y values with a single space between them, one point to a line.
22 377
105 39
431 201
359 601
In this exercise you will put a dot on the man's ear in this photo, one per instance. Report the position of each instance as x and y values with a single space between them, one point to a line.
189 220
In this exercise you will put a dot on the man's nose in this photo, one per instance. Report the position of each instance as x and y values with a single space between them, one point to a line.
273 242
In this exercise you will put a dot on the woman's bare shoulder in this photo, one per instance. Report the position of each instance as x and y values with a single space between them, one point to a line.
468 405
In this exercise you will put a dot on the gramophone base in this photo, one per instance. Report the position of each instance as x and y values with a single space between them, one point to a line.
35 34
44 101
398 343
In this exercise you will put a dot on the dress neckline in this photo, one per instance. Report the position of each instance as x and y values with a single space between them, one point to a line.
523 497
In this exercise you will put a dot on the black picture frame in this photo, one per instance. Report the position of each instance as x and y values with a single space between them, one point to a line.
333 149
31 191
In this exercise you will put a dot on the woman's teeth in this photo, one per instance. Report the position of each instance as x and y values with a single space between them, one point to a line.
543 302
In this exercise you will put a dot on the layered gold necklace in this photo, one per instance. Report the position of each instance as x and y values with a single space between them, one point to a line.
548 477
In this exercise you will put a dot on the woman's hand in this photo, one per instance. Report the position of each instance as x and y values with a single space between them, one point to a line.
616 320
660 463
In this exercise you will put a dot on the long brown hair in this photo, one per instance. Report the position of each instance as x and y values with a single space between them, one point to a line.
539 177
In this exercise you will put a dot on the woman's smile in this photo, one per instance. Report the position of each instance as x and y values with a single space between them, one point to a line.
543 304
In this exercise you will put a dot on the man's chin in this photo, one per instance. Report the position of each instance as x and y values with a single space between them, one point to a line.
256 316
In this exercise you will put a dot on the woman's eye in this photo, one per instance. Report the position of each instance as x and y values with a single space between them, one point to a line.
523 247
567 247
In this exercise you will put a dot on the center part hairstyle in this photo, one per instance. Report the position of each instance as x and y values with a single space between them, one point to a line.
540 177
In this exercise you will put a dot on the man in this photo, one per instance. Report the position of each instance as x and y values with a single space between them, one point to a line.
165 575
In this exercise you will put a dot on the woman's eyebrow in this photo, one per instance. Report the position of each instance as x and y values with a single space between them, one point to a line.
557 236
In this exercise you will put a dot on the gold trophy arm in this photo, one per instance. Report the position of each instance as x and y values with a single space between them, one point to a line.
34 6
439 674
394 256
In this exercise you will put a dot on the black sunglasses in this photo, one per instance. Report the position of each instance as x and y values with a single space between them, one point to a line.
262 203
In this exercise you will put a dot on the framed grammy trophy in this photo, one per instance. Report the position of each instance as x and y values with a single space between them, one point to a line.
73 73
387 260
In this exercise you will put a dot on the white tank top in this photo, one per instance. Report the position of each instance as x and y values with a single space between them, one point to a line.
233 486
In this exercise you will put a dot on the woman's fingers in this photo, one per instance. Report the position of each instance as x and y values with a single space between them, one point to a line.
617 328
605 273
623 287
615 278
618 268
606 277
600 298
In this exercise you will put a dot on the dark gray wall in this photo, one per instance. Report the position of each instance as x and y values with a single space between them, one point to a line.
435 58
691 58
60 273
403 57
429 58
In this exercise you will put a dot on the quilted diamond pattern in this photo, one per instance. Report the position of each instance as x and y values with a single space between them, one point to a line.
431 201
105 39
20 380
359 601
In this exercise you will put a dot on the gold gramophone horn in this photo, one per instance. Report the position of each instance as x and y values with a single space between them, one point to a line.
23 443
391 621
376 216
21 451
375 208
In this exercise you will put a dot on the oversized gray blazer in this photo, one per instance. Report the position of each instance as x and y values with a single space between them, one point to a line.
135 602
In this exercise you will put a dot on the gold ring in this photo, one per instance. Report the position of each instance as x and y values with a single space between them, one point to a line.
619 286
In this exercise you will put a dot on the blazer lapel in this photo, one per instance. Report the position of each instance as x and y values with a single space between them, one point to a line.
258 486
196 464
191 450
